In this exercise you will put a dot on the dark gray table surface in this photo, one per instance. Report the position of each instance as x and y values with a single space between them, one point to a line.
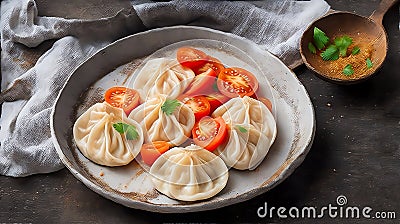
356 153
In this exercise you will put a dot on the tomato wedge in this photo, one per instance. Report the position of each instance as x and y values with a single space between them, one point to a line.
202 84
233 82
191 58
151 151
210 132
122 97
199 105
212 63
216 99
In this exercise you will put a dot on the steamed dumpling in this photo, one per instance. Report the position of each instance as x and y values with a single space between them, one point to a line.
159 126
247 110
97 139
252 132
162 76
245 148
189 174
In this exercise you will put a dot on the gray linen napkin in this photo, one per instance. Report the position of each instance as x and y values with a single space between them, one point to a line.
39 53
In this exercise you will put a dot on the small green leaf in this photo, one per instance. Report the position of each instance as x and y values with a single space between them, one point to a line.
369 63
355 50
214 86
241 129
169 106
129 130
348 70
320 38
312 48
342 43
120 127
330 54
131 133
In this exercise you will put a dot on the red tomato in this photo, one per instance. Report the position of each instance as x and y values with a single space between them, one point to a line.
202 84
216 99
191 57
151 151
210 132
212 63
233 82
199 105
122 97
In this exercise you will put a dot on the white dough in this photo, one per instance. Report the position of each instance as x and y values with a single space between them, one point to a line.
162 76
158 126
246 150
189 174
247 110
97 139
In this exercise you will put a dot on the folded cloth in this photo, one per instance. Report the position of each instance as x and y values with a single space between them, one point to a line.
39 53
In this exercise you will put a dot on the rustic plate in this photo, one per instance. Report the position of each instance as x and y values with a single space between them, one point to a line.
116 65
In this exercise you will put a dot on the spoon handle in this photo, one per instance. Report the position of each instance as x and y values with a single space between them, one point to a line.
383 7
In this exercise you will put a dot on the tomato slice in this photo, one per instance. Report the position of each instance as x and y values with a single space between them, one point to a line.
199 105
212 63
216 99
122 97
202 84
191 57
151 151
233 82
210 132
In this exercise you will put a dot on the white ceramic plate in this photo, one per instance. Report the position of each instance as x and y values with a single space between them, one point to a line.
115 65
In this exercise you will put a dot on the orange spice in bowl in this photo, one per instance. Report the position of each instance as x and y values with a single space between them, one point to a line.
358 63
361 29
341 58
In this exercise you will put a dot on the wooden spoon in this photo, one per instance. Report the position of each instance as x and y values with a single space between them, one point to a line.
361 29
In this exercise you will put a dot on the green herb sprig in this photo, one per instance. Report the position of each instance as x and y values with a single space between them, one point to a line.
241 129
312 48
333 51
369 63
342 43
356 50
320 38
130 131
348 70
170 106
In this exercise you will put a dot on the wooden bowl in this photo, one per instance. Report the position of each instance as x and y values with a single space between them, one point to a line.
361 29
